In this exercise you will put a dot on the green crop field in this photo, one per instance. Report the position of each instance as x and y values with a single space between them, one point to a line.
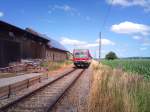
135 66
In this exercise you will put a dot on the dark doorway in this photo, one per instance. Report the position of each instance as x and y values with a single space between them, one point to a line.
9 52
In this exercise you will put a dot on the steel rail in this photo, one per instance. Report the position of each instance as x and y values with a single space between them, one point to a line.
11 104
65 91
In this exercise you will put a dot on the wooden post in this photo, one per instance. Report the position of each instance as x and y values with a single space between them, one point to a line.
27 83
39 79
9 89
99 46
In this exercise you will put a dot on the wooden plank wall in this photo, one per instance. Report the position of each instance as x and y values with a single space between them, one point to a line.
9 52
55 55
6 91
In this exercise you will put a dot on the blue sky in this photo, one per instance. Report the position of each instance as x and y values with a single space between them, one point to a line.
77 23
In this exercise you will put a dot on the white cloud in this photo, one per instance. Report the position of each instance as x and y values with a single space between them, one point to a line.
119 2
143 48
49 11
137 37
1 14
146 42
65 8
89 45
68 10
105 41
84 44
128 3
137 31
131 28
68 41
88 18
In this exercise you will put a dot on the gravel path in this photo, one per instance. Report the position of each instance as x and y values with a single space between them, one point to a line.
76 100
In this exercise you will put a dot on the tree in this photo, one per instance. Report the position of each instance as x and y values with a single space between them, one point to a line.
111 56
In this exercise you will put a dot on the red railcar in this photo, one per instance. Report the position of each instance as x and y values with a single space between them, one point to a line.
81 57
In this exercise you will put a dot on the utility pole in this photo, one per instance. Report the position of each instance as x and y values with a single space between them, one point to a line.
95 54
100 46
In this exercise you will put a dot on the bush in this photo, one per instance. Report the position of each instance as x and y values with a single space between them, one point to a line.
111 56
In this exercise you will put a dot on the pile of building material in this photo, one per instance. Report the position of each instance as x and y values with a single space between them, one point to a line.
28 66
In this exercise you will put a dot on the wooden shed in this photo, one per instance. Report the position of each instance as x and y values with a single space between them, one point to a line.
17 44
55 51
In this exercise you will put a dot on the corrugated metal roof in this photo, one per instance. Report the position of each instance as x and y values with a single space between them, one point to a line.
35 33
13 28
55 44
52 43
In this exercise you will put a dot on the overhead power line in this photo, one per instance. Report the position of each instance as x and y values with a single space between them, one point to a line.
103 27
107 16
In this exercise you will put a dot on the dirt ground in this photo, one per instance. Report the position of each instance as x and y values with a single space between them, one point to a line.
76 99
59 70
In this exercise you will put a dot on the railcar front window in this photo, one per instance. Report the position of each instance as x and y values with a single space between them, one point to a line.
80 55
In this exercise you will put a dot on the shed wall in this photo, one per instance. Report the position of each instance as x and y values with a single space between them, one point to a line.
56 55
9 52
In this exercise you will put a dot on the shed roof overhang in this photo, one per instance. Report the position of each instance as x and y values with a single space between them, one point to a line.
17 30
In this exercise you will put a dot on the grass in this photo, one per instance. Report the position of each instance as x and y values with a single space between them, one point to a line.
51 66
135 66
113 90
6 75
12 74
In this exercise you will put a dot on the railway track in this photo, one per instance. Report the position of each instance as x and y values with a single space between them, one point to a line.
44 98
